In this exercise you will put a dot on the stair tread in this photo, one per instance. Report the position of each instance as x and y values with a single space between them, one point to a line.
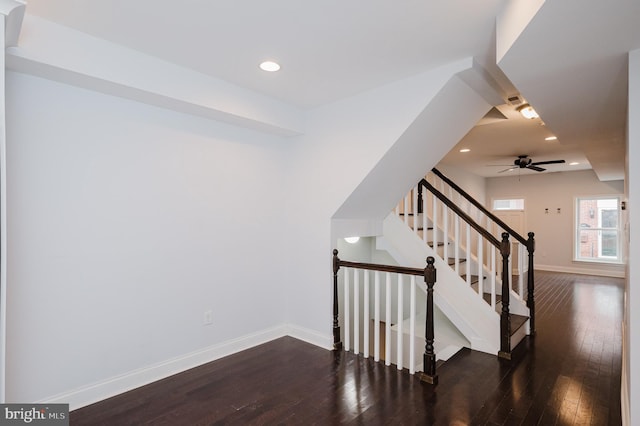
517 321
452 261
474 278
440 244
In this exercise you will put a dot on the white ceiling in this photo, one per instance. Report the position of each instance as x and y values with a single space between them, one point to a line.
328 49
495 145
568 62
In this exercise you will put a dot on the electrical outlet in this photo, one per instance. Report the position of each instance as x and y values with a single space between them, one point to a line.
208 317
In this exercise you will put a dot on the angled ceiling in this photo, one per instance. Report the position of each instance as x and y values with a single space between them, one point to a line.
569 62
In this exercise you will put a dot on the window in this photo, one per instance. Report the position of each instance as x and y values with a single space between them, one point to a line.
509 204
597 229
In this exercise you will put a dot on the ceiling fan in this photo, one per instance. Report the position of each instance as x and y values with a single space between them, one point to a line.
524 162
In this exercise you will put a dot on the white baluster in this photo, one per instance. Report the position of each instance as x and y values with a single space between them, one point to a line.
445 227
481 269
412 328
493 277
387 326
376 323
468 262
521 250
347 311
425 194
366 318
480 260
406 209
356 311
399 325
456 233
434 220
452 196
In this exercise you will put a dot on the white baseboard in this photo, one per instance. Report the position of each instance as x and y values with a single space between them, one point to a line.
583 271
310 336
113 386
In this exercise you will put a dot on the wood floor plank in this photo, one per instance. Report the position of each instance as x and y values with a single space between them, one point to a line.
569 374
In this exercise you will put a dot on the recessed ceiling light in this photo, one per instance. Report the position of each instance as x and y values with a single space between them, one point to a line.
269 66
574 163
550 138
465 150
352 240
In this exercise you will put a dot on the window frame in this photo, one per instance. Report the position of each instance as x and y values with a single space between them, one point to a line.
493 204
578 227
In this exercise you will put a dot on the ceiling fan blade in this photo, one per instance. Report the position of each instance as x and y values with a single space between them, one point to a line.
507 170
536 168
538 163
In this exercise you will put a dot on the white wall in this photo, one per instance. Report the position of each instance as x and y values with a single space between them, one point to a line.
554 231
343 143
632 301
473 185
125 223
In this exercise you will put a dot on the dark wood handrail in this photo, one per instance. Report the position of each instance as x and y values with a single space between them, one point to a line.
480 207
486 234
382 268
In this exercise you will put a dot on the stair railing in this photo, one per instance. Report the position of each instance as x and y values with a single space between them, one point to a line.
354 321
528 244
450 231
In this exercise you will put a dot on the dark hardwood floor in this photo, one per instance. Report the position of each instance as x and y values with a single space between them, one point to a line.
568 374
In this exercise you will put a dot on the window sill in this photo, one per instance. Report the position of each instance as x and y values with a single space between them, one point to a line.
599 262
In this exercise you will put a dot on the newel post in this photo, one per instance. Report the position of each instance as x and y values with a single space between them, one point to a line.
337 343
505 317
429 358
531 247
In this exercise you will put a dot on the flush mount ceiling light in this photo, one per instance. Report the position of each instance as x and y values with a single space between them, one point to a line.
527 111
270 66
352 240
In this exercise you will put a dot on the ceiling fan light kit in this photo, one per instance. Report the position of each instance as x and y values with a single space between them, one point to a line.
527 111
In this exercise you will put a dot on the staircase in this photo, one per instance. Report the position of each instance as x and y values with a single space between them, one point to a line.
478 301
478 283
456 229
